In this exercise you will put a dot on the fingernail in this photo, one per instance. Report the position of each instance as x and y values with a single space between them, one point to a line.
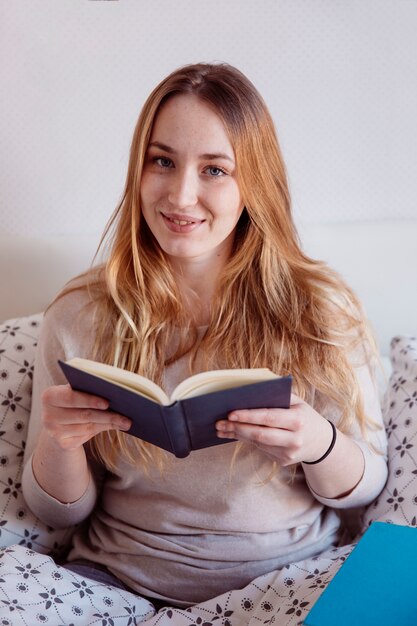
125 425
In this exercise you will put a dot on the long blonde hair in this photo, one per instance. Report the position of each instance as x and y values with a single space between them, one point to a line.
274 306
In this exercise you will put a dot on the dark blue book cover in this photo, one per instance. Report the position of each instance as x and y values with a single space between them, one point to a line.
376 585
187 424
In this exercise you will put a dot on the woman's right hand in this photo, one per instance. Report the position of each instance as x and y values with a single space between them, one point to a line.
71 418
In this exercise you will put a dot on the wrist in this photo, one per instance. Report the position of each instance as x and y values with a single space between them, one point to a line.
63 474
329 449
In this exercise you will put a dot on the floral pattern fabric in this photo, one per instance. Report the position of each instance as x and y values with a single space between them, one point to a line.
18 525
398 501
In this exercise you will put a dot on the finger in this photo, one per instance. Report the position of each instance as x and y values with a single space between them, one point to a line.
263 435
72 417
65 397
274 418
75 438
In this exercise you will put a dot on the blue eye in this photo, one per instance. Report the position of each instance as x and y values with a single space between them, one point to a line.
163 162
215 171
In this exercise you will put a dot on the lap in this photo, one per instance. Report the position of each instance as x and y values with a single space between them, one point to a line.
101 574
35 590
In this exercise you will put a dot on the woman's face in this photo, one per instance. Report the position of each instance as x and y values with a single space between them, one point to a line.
189 193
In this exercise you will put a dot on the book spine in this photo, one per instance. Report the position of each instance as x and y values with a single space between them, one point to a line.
177 429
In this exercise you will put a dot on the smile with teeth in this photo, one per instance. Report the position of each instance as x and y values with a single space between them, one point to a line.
181 222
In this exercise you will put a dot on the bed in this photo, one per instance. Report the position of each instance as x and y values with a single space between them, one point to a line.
379 259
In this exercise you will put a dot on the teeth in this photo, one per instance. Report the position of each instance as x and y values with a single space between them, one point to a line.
181 222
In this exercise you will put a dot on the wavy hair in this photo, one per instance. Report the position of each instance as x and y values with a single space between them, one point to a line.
274 306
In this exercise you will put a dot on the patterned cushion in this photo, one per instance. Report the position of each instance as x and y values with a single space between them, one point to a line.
18 525
398 501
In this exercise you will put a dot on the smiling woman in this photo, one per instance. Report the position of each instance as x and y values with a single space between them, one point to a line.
205 271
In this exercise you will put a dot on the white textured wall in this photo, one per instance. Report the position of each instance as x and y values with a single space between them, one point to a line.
340 78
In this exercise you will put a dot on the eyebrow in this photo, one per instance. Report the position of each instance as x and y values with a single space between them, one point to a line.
206 155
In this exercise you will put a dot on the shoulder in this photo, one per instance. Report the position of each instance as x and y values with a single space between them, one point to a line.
67 307
69 319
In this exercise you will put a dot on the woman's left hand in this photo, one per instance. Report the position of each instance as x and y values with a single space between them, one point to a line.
290 435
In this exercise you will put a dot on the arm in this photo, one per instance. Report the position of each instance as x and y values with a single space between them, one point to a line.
351 475
58 484
69 420
373 449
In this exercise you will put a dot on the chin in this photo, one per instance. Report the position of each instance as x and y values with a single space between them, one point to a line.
180 252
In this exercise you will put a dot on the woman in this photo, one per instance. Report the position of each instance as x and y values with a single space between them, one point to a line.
205 271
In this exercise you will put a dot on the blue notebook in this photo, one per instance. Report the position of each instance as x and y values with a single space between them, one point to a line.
376 585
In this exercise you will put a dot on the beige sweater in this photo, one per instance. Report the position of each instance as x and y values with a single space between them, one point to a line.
202 528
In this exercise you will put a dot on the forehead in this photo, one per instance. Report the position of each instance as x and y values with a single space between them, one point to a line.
186 119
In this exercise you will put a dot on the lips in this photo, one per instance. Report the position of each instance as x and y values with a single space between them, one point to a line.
181 224
181 220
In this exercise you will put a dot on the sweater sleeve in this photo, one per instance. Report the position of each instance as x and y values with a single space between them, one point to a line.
51 511
61 337
373 446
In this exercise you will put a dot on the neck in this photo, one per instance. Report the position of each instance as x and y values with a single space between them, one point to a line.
197 291
198 280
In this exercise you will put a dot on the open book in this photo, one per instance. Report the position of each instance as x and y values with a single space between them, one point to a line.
186 420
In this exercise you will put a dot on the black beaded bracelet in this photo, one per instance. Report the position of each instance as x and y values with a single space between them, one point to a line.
330 448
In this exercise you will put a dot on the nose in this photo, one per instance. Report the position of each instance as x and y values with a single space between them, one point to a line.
183 189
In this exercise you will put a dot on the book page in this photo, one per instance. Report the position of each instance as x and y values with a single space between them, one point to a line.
218 380
129 380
